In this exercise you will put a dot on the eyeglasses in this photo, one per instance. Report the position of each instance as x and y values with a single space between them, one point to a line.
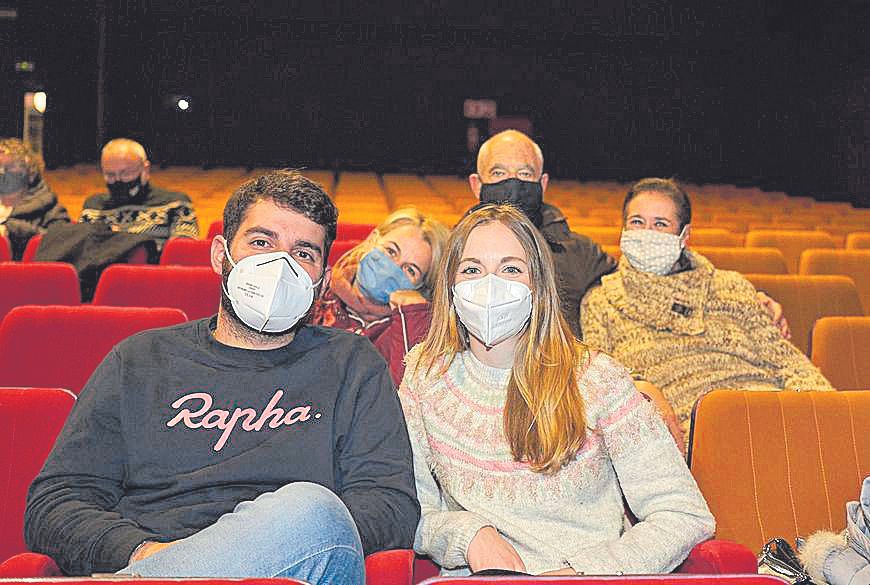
124 175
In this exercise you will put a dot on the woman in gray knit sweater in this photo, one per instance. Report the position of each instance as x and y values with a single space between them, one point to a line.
680 323
524 440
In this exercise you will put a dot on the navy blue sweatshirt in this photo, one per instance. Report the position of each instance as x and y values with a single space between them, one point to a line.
174 429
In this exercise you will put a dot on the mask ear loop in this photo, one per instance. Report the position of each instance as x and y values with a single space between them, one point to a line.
233 264
682 236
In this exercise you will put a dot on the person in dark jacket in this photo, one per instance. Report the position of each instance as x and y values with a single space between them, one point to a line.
27 205
381 288
132 203
248 444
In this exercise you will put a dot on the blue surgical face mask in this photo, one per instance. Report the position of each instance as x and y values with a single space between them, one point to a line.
377 276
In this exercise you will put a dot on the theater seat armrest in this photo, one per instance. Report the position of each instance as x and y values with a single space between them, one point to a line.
390 567
719 556
29 565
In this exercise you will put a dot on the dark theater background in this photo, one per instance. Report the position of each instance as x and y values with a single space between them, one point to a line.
770 93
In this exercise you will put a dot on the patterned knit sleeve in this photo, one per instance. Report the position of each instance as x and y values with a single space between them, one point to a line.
660 491
595 333
795 368
184 222
442 534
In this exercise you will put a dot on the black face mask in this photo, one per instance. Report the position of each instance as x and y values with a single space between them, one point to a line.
527 196
125 192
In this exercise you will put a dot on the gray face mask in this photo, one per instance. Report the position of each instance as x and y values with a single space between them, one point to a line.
12 182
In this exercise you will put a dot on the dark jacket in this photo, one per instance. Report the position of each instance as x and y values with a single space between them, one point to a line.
580 263
34 215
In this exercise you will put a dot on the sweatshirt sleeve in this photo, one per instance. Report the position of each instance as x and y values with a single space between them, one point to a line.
375 474
595 332
660 491
70 507
795 368
443 535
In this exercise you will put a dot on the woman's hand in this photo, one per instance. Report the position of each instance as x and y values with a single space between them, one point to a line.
488 550
147 549
566 571
400 298
774 309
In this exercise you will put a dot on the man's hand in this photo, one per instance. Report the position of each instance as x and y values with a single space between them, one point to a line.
774 309
488 550
400 298
147 549
665 410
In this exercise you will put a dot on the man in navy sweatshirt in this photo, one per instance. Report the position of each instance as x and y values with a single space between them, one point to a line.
247 444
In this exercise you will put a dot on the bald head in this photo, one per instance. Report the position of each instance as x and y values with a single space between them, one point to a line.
508 155
123 160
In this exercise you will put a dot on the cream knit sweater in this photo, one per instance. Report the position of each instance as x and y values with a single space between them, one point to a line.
466 478
692 332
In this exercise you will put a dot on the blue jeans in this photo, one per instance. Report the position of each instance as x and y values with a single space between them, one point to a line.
302 530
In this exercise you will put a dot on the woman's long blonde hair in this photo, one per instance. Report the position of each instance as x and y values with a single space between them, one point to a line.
434 233
544 414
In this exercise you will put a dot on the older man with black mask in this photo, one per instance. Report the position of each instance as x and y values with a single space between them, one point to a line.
131 203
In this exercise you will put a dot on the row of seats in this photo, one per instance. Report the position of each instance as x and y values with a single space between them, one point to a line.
57 345
770 464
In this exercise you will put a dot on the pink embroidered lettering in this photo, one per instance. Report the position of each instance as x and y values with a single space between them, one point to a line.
206 418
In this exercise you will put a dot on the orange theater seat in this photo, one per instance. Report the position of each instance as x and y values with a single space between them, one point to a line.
805 299
43 283
790 242
186 252
603 236
745 260
779 464
715 237
30 419
858 241
196 290
840 349
58 346
852 263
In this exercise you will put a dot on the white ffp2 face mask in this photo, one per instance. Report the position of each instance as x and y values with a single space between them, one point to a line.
492 308
652 251
269 292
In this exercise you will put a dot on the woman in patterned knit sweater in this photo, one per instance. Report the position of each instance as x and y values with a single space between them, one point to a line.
524 440
680 323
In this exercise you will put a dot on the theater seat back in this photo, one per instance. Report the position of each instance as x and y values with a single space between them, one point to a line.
30 419
790 242
840 348
852 263
42 283
805 299
56 346
186 252
745 260
779 464
196 290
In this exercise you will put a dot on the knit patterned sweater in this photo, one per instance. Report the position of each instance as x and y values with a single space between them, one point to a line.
467 479
692 332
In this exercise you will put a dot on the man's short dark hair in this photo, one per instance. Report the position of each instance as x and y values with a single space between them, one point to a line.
288 189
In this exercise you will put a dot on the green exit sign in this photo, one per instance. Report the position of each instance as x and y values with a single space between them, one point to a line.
25 66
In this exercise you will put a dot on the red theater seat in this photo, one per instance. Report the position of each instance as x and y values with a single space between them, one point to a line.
613 580
353 231
339 249
43 283
31 248
215 229
196 290
5 250
30 419
58 346
186 252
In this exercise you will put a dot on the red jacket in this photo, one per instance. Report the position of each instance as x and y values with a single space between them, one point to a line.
392 335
